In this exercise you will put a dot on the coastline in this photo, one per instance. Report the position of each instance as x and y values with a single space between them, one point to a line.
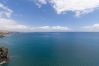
3 33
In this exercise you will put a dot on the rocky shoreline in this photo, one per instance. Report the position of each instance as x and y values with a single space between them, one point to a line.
3 33
3 55
3 50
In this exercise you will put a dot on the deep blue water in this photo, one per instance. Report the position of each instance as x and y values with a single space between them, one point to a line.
52 49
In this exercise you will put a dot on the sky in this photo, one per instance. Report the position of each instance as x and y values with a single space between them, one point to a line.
49 15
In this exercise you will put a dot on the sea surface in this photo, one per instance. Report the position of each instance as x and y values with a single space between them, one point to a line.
52 49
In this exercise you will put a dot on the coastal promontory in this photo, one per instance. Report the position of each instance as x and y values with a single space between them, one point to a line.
3 33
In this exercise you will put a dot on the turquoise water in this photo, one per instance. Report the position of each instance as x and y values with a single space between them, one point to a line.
52 49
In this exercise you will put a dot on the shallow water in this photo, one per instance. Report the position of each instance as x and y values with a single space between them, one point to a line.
52 49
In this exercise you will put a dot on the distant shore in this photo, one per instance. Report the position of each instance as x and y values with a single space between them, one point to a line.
3 33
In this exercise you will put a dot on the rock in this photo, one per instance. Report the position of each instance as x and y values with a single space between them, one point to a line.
3 55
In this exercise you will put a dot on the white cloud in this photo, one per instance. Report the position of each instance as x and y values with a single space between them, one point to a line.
54 28
39 2
11 25
77 6
5 11
94 27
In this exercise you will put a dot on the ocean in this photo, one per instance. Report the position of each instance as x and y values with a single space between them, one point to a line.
52 49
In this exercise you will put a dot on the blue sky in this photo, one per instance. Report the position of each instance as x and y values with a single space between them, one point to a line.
49 15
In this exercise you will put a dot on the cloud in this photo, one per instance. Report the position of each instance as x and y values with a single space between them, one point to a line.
79 7
54 28
94 27
5 11
39 2
11 25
